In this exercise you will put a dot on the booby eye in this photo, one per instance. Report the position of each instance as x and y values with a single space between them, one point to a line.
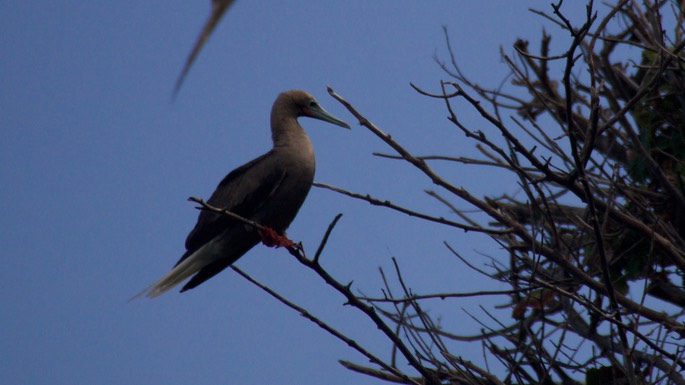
313 104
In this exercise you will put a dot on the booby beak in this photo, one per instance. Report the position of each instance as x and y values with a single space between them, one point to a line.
313 110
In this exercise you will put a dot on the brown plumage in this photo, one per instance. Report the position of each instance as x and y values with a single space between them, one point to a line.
268 190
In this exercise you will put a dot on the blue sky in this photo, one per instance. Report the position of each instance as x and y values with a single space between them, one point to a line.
96 164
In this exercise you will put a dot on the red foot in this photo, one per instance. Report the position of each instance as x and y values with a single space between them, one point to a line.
271 238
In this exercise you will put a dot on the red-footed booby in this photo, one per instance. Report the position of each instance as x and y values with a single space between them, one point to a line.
268 190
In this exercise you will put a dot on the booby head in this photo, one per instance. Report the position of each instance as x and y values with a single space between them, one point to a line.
301 103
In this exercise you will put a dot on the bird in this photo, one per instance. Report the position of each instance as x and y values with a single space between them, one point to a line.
219 8
268 190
